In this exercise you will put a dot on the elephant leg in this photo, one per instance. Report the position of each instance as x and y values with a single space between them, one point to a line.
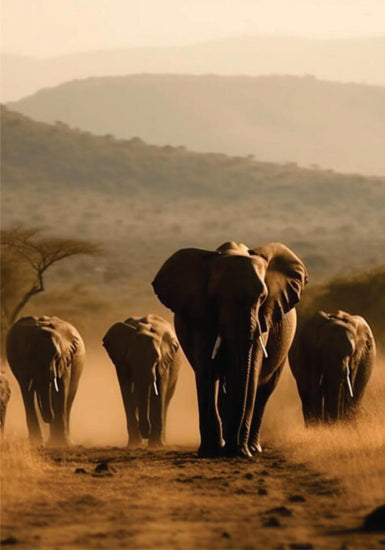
308 409
157 418
134 437
76 371
169 395
198 348
158 413
70 400
263 394
59 436
34 430
209 422
312 403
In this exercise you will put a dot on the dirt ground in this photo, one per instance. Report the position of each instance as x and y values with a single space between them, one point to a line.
308 489
86 498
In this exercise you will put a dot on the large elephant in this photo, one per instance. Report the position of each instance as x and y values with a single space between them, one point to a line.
332 359
46 355
5 394
145 353
235 320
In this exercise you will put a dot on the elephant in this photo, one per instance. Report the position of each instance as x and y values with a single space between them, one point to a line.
147 359
5 394
235 320
46 355
332 359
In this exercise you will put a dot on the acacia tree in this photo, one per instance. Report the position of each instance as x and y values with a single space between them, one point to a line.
26 255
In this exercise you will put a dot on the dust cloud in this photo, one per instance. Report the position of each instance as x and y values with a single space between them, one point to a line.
352 452
98 416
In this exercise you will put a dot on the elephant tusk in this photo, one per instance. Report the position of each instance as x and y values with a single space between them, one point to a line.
55 384
263 346
217 345
155 388
349 382
321 379
30 385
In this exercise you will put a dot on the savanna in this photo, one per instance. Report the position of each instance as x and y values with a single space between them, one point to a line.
311 487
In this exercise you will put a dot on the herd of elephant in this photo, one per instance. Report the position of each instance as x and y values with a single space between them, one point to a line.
235 319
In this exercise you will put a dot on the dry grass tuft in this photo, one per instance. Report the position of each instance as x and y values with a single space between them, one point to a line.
352 452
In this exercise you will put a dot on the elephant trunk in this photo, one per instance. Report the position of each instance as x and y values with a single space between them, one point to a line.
333 401
338 389
144 409
244 381
44 399
250 394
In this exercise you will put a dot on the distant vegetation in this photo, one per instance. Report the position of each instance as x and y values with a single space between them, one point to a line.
274 118
362 294
143 202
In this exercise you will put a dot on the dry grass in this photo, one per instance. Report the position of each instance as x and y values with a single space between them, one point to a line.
352 452
23 474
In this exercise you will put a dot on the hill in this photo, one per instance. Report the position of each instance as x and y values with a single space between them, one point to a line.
346 60
131 195
276 118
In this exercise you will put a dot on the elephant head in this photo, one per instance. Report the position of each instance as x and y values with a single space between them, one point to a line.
341 340
142 351
51 353
44 351
231 297
46 355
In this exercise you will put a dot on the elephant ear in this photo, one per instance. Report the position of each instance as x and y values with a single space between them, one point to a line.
66 339
181 283
63 354
365 339
286 276
169 346
116 341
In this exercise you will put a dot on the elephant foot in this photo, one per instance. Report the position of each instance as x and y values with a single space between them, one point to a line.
156 443
144 429
244 452
241 451
134 443
255 447
36 441
210 451
61 442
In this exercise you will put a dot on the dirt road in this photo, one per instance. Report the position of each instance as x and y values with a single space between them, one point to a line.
115 498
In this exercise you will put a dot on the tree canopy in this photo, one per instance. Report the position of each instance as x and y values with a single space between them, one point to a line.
26 255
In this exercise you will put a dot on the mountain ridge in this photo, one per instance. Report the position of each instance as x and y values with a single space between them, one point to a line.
356 59
276 118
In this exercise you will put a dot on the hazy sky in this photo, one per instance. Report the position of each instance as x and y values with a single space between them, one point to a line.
50 27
